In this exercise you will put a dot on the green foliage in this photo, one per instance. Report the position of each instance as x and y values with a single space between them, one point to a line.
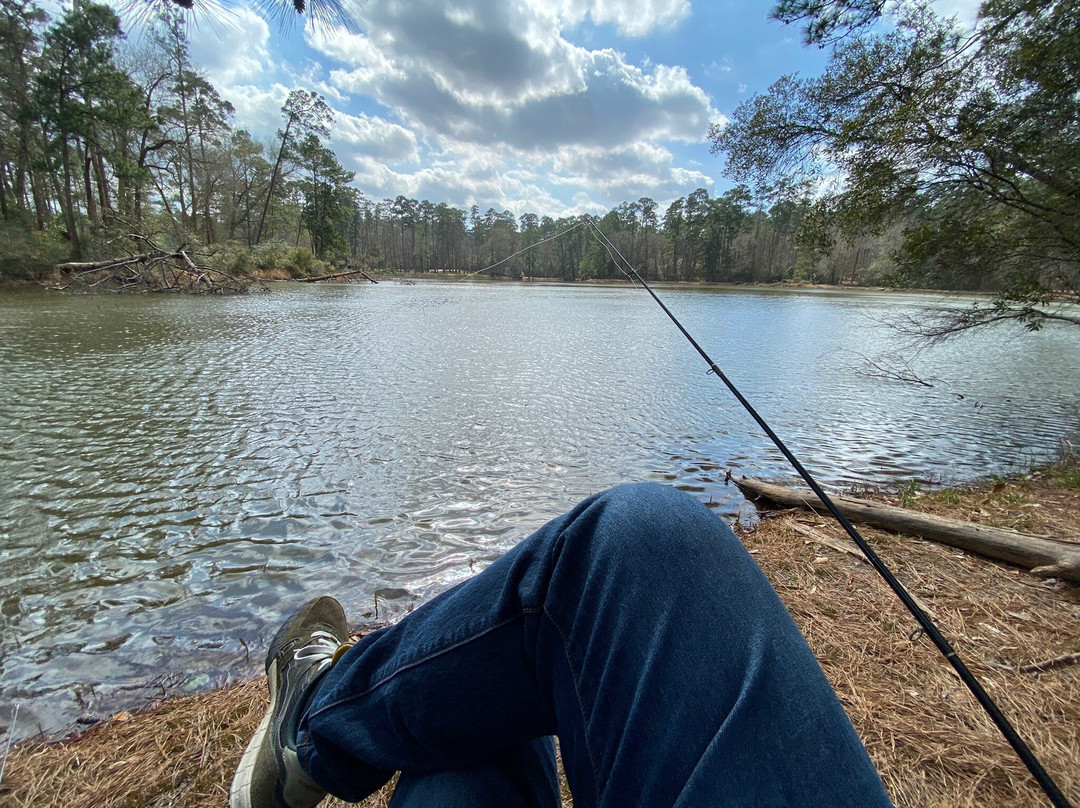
949 497
273 258
299 262
327 200
27 254
235 259
909 493
826 21
967 140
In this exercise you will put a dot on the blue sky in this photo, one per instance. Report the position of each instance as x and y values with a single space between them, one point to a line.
556 107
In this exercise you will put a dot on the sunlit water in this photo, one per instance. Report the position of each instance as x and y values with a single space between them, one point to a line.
178 474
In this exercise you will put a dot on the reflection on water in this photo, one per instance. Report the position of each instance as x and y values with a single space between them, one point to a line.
179 473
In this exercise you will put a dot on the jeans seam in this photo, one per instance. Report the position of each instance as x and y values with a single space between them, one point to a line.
581 702
421 660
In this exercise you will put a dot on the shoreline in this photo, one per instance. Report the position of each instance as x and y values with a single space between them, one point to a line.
47 282
931 743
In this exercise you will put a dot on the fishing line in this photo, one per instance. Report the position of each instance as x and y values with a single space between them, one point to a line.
523 249
1049 787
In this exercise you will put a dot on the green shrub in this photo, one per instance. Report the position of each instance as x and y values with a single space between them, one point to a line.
296 262
299 262
28 254
235 259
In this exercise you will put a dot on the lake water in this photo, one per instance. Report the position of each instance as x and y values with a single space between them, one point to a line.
179 473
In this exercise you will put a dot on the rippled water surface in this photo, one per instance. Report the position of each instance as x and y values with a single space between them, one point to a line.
178 474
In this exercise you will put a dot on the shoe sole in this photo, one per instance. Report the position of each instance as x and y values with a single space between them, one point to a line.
240 792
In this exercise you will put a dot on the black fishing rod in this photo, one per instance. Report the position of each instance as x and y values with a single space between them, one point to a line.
1045 781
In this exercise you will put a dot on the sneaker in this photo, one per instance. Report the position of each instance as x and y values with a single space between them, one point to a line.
306 645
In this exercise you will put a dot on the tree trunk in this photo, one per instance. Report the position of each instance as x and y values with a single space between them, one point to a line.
68 203
102 181
1042 555
86 159
273 177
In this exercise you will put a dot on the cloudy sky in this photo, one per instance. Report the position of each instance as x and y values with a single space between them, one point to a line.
555 107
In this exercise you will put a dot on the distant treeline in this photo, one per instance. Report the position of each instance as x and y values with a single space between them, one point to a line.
102 139
105 143
697 238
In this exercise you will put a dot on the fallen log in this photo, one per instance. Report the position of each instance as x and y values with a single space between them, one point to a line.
109 263
337 275
1044 556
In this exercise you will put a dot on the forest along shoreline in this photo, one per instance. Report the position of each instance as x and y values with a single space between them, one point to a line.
927 736
258 277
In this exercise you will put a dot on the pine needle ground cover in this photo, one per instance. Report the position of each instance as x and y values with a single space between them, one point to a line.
931 742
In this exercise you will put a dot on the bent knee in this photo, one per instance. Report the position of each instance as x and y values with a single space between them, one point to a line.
654 514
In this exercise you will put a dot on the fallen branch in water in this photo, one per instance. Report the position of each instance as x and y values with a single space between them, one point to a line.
1043 556
154 271
337 276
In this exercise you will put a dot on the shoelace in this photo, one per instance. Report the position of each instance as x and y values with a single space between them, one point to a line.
323 650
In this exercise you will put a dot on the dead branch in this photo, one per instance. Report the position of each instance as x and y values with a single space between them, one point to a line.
336 276
891 366
154 271
93 266
1049 664
840 545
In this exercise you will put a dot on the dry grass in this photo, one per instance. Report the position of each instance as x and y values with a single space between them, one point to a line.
928 737
931 741
180 754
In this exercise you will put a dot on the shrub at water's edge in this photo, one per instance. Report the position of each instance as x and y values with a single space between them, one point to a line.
27 255
272 261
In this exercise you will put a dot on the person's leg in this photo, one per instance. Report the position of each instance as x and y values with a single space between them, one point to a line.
524 777
639 630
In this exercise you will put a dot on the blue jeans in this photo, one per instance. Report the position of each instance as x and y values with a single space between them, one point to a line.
638 630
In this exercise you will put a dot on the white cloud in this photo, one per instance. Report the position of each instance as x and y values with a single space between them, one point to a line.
258 109
716 70
966 12
357 136
235 53
489 72
461 181
583 203
487 102
479 52
467 175
504 111
629 17
629 173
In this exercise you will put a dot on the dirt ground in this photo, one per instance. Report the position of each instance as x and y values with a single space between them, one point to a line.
930 740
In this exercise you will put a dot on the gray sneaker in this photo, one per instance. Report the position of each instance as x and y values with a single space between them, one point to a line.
306 645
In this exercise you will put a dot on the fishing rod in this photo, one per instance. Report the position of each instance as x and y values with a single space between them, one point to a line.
1045 781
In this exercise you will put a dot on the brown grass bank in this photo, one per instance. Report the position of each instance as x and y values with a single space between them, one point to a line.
928 737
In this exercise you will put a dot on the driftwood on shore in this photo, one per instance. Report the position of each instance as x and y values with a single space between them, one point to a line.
156 270
1044 556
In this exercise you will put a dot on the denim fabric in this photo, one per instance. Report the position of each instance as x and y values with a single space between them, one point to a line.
638 630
